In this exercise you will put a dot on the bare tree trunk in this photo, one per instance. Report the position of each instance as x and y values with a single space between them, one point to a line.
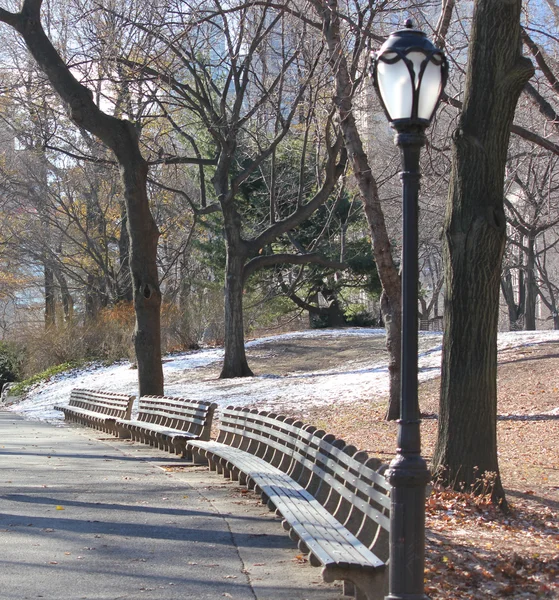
67 300
393 324
50 297
531 286
516 311
447 8
122 138
382 248
235 363
466 450
143 235
123 283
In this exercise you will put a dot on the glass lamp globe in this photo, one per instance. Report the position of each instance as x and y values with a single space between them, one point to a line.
409 73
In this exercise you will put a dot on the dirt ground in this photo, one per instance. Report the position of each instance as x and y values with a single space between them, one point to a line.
474 551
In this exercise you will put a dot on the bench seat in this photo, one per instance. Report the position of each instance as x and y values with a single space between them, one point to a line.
333 499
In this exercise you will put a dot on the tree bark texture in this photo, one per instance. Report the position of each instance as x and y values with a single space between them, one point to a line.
382 248
50 297
516 310
235 363
531 285
122 138
123 283
474 242
67 300
393 324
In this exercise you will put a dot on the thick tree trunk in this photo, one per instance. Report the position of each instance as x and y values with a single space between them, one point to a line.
392 320
122 138
143 235
67 300
235 362
516 311
474 241
328 315
92 302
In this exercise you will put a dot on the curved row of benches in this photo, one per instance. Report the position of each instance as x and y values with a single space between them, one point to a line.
333 499
162 421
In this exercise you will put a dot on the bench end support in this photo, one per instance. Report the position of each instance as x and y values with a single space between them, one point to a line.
364 584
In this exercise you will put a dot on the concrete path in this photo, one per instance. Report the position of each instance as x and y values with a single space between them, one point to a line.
84 516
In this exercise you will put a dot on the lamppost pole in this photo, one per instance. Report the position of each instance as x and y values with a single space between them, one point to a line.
410 144
408 473
409 74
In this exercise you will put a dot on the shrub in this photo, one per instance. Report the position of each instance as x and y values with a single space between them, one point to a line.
22 386
11 360
108 338
362 318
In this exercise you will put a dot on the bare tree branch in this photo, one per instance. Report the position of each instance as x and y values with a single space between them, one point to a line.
444 22
541 61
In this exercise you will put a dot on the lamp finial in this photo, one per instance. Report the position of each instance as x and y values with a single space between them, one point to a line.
409 24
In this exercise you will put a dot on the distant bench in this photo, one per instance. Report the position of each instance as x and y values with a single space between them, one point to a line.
334 500
162 421
97 408
168 423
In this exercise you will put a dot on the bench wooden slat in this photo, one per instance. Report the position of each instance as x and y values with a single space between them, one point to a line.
159 428
167 415
311 521
228 424
333 499
316 518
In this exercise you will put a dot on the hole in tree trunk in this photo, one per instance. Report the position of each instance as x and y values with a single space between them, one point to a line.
147 292
499 218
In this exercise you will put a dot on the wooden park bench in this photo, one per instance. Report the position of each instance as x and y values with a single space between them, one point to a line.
97 408
168 423
334 500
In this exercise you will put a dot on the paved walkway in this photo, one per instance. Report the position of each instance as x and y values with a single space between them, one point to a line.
83 516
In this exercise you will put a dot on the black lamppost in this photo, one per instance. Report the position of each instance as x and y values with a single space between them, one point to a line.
409 74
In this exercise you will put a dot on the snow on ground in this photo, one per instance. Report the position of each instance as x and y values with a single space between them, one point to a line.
346 383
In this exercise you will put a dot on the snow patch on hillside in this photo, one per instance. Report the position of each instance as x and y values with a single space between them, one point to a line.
269 392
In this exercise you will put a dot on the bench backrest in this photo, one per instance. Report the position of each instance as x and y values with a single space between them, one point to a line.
111 404
349 484
192 416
